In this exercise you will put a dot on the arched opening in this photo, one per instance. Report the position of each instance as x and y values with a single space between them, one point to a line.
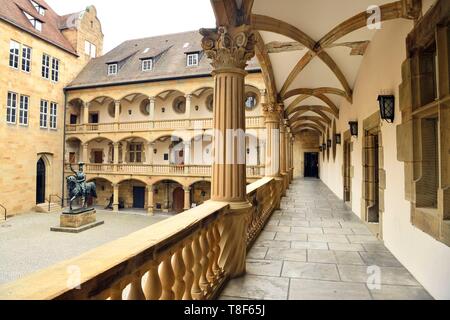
200 192
40 181
169 150
132 195
168 197
105 193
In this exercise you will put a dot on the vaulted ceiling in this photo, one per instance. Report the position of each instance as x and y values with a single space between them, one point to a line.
311 51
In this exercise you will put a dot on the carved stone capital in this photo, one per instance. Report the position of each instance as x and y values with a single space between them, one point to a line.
273 112
229 48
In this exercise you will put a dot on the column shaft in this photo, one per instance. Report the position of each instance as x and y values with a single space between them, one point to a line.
116 198
187 198
150 199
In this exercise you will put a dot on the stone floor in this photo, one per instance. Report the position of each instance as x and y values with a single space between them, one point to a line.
27 245
314 248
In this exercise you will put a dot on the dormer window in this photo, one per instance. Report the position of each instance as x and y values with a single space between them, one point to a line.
112 69
192 60
37 24
40 9
147 64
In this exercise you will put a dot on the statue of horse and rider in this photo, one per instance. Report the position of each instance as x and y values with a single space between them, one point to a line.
78 188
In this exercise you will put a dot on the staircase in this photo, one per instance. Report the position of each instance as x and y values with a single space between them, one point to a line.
43 208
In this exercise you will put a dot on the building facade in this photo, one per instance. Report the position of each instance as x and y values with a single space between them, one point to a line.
140 117
41 52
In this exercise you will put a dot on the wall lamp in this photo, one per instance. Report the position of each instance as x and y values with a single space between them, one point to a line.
353 128
338 138
387 108
329 144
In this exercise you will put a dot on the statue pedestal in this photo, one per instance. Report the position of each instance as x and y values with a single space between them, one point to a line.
78 221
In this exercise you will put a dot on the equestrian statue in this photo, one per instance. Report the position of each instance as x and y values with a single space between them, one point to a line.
78 188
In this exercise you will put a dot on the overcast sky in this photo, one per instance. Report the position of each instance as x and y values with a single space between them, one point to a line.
131 19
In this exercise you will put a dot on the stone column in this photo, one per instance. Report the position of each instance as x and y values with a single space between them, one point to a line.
116 197
117 114
187 156
152 108
272 120
124 152
149 156
86 114
116 152
283 154
188 106
230 48
85 152
150 199
288 154
187 198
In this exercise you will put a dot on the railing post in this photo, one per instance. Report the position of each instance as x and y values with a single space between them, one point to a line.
229 60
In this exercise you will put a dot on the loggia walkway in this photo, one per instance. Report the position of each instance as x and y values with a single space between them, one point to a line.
315 248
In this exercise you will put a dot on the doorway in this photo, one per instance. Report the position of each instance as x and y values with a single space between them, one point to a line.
311 165
347 171
139 197
372 181
98 157
178 200
40 182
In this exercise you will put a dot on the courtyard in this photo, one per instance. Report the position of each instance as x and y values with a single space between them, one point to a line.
27 244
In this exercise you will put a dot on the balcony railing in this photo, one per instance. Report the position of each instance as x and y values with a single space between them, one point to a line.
179 258
155 169
188 124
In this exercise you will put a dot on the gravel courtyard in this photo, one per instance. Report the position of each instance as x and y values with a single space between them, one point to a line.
27 244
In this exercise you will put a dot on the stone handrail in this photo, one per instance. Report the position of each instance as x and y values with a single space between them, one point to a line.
206 123
184 257
264 197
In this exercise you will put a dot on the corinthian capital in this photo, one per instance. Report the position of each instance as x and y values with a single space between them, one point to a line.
273 111
229 47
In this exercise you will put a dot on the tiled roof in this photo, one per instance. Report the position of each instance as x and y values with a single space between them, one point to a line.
12 12
169 52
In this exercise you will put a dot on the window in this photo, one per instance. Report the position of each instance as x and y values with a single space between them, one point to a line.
136 153
26 59
55 69
53 115
45 66
37 24
90 49
11 108
251 100
147 64
179 105
23 110
112 69
192 59
14 52
43 114
40 9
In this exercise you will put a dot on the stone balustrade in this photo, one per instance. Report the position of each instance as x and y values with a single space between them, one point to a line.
143 126
148 169
186 257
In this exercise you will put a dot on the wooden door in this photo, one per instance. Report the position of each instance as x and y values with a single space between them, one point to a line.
178 200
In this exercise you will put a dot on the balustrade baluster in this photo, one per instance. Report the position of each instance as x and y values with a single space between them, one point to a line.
179 271
188 258
204 261
152 288
116 294
197 250
167 278
136 292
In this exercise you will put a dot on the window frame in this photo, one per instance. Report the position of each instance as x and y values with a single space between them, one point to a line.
14 57
115 66
43 114
45 70
194 61
26 58
134 152
148 61
11 109
24 110
55 69
35 22
90 49
40 9
53 116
